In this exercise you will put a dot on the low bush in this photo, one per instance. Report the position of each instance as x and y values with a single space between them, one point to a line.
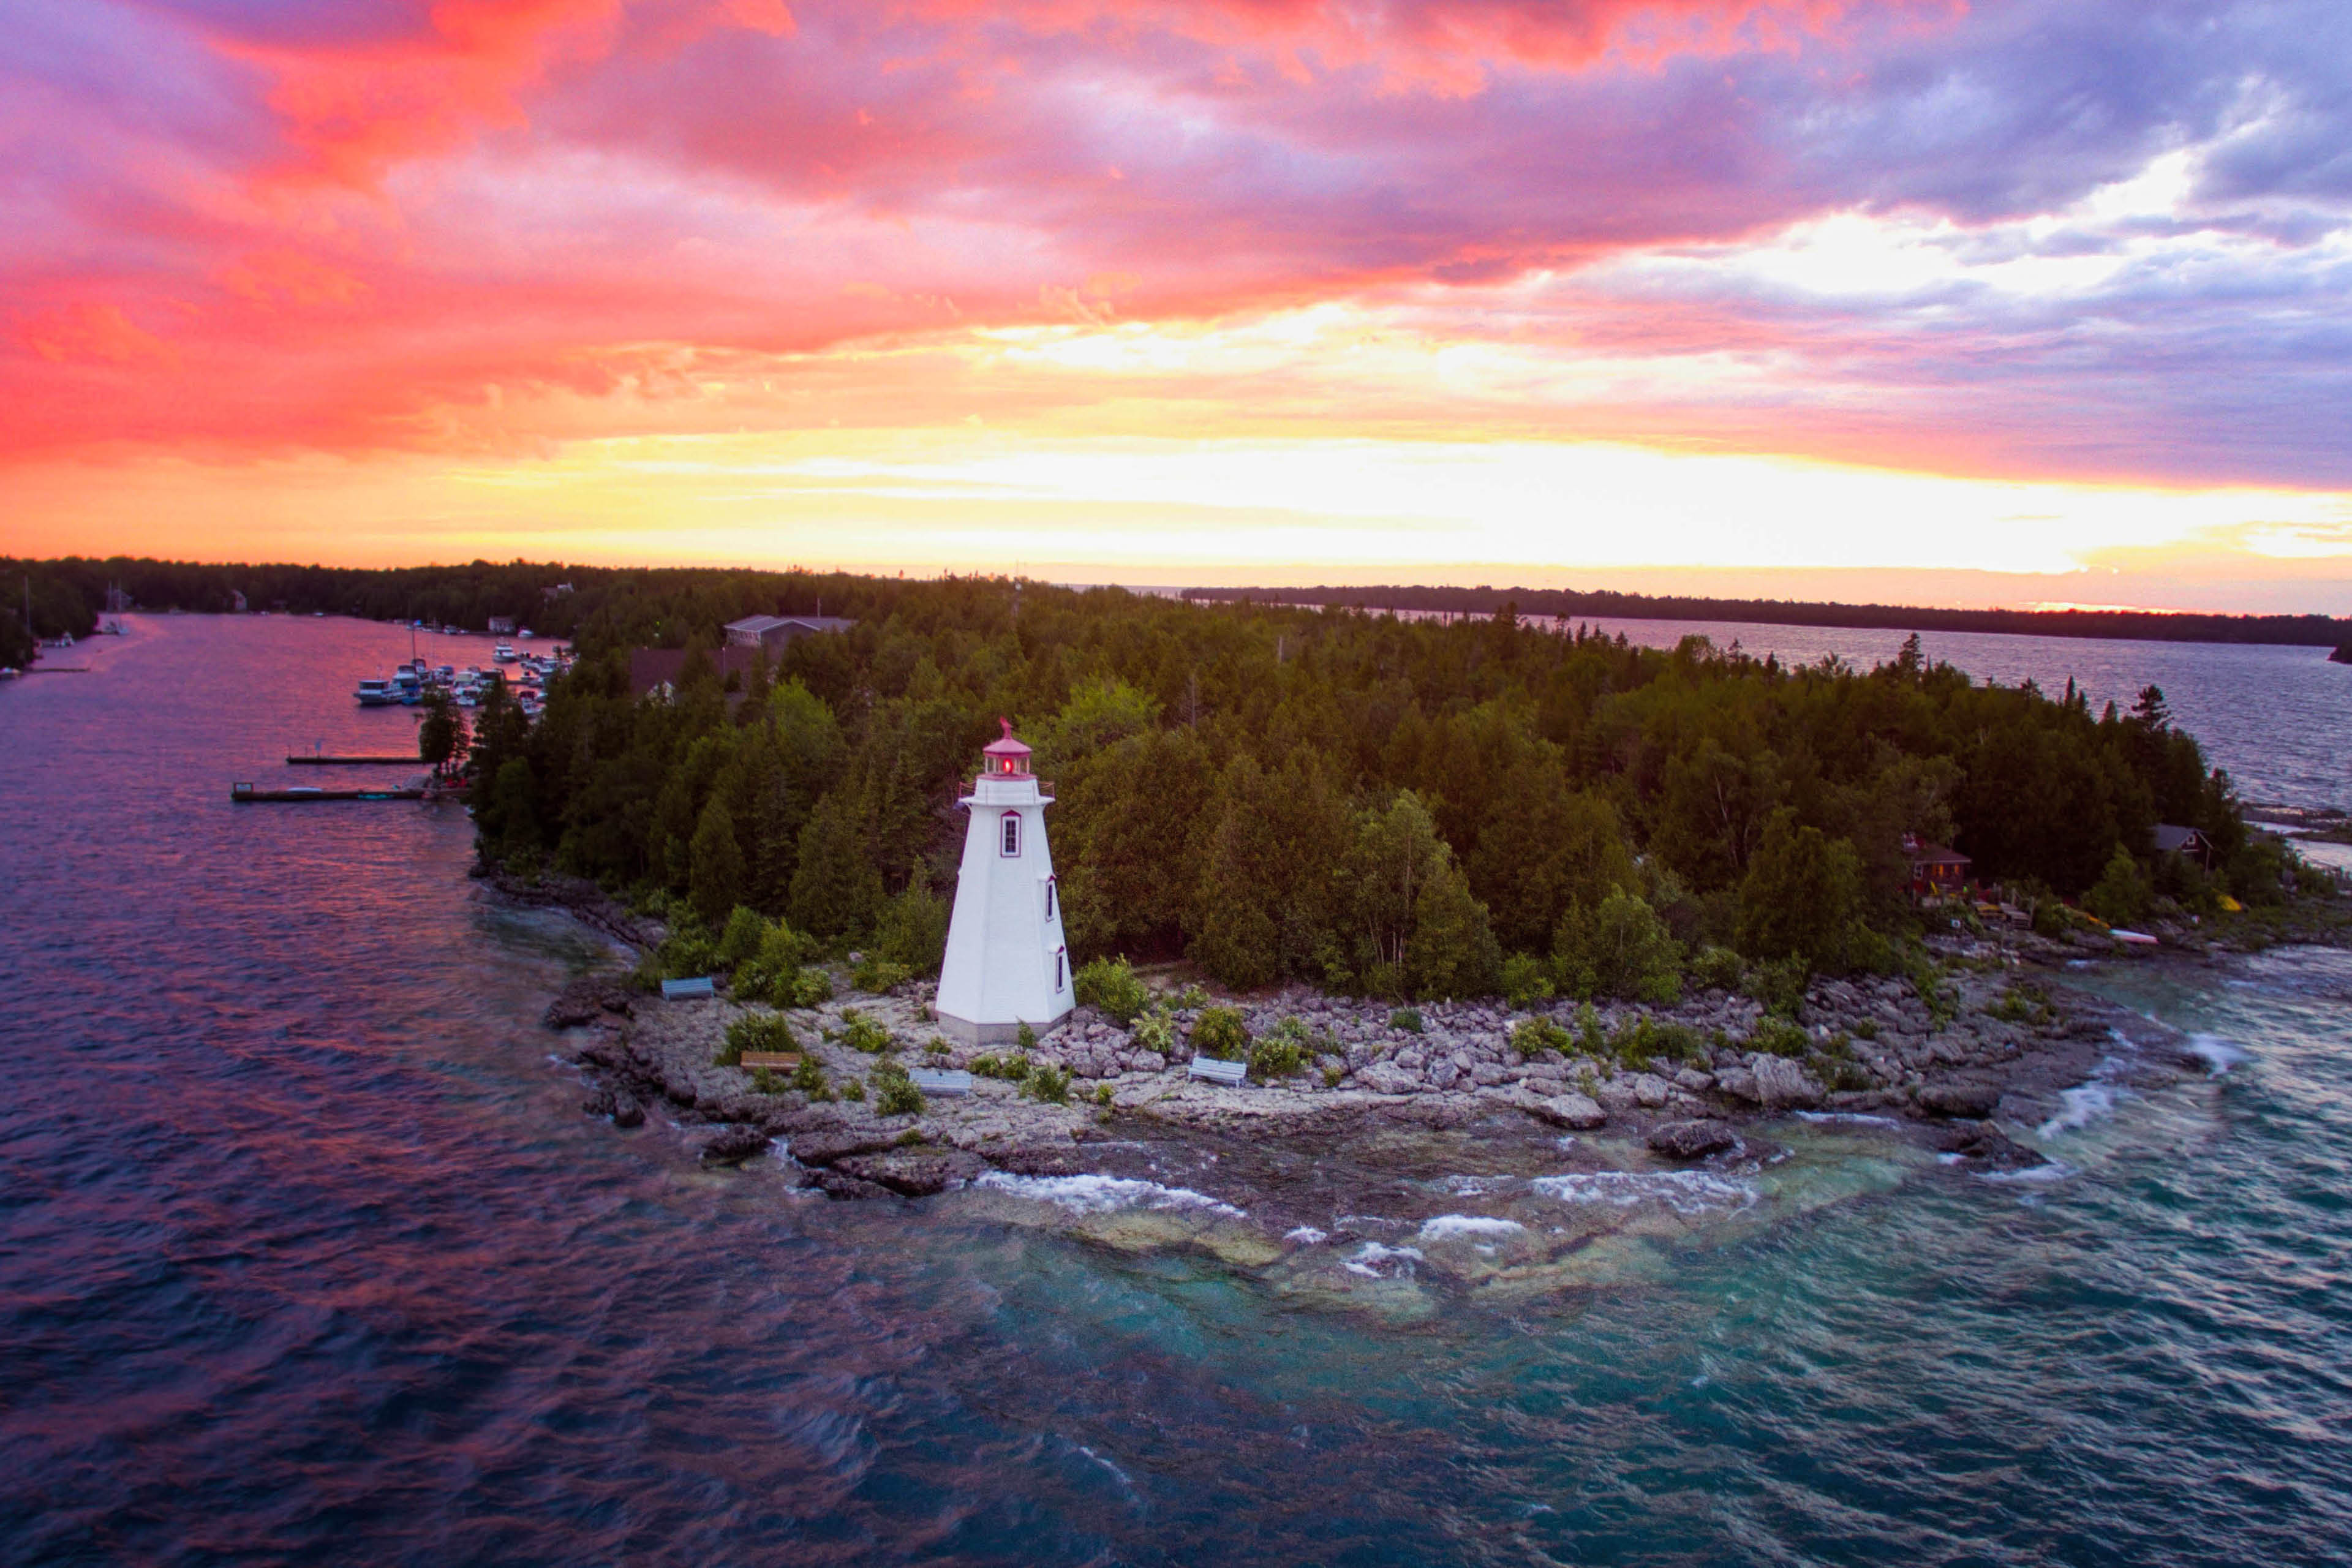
1219 1032
895 1093
1591 1037
765 1081
1281 1050
809 1078
1156 1031
1010 1069
936 1047
1648 1040
1533 1037
801 988
1779 985
687 952
1050 1084
1406 1018
1716 969
755 1032
1527 981
740 941
878 976
1779 1038
1110 985
1026 1037
860 1033
854 1091
1866 1028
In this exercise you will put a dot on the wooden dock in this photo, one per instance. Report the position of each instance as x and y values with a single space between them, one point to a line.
245 792
316 760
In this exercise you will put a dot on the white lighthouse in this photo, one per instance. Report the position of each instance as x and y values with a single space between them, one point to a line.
1006 963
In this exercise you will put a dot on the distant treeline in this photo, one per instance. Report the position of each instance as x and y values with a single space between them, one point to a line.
2306 631
655 607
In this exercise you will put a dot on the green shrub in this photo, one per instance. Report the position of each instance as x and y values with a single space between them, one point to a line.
1779 985
895 1093
878 976
1050 1084
688 951
1866 1028
647 976
1777 1037
1591 1037
1011 1070
1526 981
801 988
2123 893
1219 1032
1331 1077
1026 1037
1156 1031
1533 1037
809 1078
936 1047
1406 1018
1716 969
740 941
1189 999
913 930
854 1091
1109 986
1102 1094
860 1033
755 1032
1618 947
1281 1050
765 1081
1646 1040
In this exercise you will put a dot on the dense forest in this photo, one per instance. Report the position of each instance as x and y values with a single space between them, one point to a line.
1375 805
2159 625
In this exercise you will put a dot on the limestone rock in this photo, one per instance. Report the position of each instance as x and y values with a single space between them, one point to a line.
828 1148
1649 1091
1972 1100
733 1145
914 1173
1692 1139
1782 1084
1388 1078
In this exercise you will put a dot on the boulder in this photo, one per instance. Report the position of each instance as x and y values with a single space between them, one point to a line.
627 1111
835 1184
733 1145
1388 1078
1982 1143
1693 1139
1568 1109
1782 1084
826 1148
1649 1091
1973 1100
914 1173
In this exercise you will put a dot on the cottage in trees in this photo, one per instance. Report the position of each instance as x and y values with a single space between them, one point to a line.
1936 872
774 633
1007 963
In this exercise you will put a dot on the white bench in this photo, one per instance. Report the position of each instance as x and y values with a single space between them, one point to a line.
676 989
1230 1074
948 1082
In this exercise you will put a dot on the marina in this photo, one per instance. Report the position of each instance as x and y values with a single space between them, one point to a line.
245 794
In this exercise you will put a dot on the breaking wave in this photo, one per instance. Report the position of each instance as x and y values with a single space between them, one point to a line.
1103 1195
1684 1191
1450 1227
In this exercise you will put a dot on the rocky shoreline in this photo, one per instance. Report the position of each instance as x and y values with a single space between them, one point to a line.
1387 1130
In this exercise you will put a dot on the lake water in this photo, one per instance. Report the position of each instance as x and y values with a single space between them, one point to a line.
306 1255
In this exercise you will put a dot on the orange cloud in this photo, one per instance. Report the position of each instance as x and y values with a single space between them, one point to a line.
95 333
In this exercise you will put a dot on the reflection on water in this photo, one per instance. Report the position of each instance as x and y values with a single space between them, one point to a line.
305 1254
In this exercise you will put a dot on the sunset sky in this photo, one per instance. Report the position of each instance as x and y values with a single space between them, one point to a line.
2004 302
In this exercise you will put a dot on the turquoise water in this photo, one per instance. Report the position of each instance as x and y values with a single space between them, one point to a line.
306 1255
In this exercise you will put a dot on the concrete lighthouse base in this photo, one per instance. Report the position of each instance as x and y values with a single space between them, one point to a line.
965 1032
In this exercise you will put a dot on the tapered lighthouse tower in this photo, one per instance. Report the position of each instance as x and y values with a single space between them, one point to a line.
1006 965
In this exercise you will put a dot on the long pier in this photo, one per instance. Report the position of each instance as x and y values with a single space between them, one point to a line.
316 760
245 792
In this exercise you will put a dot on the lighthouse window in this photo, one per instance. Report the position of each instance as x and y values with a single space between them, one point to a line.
1061 959
1049 898
1012 833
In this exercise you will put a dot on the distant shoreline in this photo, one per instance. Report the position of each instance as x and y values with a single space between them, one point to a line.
1570 603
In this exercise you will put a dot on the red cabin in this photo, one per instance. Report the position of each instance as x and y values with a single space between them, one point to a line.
1936 872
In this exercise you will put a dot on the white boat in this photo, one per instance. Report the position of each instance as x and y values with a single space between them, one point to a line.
378 693
504 653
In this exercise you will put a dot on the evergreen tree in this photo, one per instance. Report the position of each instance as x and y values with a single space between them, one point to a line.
837 891
717 878
1803 896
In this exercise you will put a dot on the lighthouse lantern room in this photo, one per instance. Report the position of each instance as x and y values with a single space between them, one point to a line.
1006 961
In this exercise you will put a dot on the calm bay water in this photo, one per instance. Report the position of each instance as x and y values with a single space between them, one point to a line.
306 1255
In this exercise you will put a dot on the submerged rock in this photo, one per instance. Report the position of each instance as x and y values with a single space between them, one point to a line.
1692 1139
627 1111
915 1171
1982 1143
1974 1101
734 1145
828 1148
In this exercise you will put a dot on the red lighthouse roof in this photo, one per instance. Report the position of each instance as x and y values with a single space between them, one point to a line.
1006 756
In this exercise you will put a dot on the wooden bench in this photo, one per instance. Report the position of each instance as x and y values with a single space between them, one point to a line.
1230 1074
948 1082
787 1060
678 990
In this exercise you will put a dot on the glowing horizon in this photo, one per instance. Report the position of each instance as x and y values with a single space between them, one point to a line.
1201 292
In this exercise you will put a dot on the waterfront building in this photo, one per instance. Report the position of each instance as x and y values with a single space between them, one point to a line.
1007 963
774 633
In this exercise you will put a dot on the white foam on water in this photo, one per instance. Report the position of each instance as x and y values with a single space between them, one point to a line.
1125 1479
2218 1054
1950 1159
1847 1119
2080 1106
1476 1186
1448 1226
1684 1191
1307 1235
2032 1177
1103 1195
1372 1255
